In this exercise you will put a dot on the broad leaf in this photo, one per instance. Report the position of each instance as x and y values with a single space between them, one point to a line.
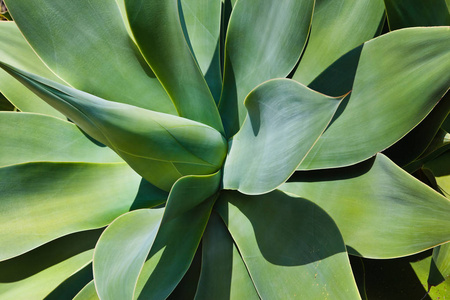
390 96
291 247
121 252
159 35
27 137
415 13
360 198
268 149
223 275
75 196
160 147
16 51
201 21
173 252
256 51
338 26
90 49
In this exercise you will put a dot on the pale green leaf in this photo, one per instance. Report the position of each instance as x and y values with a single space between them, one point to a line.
86 43
264 41
160 147
121 252
15 51
338 26
201 20
390 96
159 35
223 274
291 247
382 211
44 201
27 137
87 293
284 120
440 265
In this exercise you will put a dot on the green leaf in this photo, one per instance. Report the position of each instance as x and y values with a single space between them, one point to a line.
201 21
440 172
16 51
290 246
121 252
255 51
267 149
440 265
223 274
88 292
418 140
38 273
27 137
360 198
337 27
159 35
44 201
370 120
173 252
160 147
416 13
90 49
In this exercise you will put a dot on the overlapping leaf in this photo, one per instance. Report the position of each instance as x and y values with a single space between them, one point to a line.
284 120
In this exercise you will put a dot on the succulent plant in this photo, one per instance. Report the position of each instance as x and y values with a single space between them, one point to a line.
219 149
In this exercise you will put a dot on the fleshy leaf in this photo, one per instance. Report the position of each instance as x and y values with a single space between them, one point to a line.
27 137
338 26
121 252
223 274
76 196
160 147
17 52
390 96
360 198
88 292
440 265
90 49
416 13
284 120
256 51
291 247
159 35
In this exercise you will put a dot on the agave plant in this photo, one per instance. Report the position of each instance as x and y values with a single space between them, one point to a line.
219 149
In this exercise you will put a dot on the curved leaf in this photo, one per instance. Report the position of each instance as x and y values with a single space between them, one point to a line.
121 252
102 60
361 197
337 27
172 252
440 265
87 293
290 246
160 147
255 51
390 96
27 137
440 172
284 120
223 274
16 51
75 196
415 13
201 20
159 35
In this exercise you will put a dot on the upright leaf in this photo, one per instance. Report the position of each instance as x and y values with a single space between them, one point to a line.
90 49
362 197
284 120
290 246
256 51
159 35
337 27
440 265
390 96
